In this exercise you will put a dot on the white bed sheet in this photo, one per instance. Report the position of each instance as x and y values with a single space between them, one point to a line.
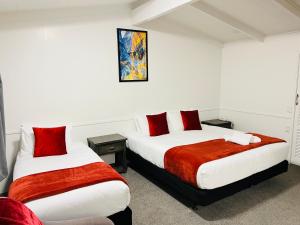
215 173
103 199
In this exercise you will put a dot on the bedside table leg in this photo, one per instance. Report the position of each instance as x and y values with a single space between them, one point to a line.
120 161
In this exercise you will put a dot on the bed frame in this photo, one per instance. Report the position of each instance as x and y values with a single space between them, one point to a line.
119 218
122 218
189 195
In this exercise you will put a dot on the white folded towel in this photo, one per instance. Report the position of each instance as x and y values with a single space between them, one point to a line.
227 137
241 138
255 139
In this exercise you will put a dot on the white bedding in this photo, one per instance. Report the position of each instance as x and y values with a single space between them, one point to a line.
103 199
212 174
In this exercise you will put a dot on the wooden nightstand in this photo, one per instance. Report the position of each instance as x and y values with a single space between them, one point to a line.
107 144
218 123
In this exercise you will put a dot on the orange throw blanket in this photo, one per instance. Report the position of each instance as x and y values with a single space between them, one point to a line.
50 183
184 161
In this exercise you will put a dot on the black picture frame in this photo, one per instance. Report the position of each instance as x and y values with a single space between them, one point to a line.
145 55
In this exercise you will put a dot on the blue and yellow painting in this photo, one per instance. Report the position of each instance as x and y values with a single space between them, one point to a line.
132 55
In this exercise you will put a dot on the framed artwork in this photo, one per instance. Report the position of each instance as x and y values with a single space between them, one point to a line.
132 55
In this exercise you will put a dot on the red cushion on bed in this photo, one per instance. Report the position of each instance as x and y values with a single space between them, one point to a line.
49 141
158 124
15 213
190 120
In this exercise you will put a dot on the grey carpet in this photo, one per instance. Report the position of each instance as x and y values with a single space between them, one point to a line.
273 202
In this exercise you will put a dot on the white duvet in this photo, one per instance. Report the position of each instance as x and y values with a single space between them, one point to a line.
212 174
103 199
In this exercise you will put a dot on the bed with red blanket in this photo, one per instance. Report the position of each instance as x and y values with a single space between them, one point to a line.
201 166
75 185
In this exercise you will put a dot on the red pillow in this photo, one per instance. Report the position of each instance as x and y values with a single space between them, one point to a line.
190 120
158 124
49 141
16 213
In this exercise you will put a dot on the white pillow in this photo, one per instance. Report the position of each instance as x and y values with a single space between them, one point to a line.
174 121
27 136
142 123
138 129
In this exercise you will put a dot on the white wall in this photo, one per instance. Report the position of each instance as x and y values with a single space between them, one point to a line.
62 66
258 84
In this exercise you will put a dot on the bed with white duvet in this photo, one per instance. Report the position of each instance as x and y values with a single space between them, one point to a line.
215 173
103 199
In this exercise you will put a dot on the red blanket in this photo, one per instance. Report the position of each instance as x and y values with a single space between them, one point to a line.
50 183
15 213
184 161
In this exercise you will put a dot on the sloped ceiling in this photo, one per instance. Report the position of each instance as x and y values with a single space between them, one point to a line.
232 20
195 19
267 16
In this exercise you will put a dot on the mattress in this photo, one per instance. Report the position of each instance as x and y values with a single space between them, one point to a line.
103 199
215 173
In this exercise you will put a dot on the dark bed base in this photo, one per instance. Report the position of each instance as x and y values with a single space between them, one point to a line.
122 218
190 195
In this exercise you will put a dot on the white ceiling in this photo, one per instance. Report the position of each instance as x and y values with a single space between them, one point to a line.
265 16
21 5
195 19
231 20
